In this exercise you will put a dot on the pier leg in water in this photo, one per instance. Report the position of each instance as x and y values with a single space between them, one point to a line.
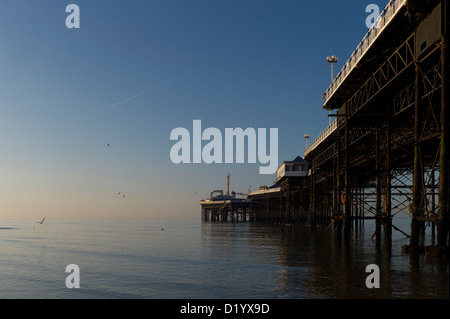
444 160
387 190
417 207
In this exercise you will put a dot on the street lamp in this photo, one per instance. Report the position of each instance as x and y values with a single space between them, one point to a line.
332 60
306 137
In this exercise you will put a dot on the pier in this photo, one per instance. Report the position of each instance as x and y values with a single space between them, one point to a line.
226 207
284 202
386 150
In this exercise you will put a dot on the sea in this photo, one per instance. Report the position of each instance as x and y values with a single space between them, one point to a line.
191 259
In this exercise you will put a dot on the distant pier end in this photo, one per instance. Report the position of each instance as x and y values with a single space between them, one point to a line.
229 207
283 202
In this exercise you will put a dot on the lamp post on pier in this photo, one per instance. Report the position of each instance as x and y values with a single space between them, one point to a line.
306 138
332 60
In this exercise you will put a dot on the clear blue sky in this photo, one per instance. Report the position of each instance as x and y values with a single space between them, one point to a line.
229 63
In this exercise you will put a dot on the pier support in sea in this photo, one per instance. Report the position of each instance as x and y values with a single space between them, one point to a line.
444 159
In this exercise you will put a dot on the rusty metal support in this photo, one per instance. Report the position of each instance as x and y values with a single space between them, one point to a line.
347 198
334 186
417 205
338 173
432 208
387 186
377 185
312 203
443 219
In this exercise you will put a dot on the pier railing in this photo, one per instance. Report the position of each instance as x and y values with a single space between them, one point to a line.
265 191
324 135
386 16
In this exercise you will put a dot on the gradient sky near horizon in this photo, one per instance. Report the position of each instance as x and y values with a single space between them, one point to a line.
136 70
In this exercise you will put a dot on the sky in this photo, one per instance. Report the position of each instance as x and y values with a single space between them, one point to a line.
86 113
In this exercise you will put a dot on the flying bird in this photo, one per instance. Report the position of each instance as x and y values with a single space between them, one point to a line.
41 222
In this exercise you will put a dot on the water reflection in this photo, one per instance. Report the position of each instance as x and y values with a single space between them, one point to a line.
316 263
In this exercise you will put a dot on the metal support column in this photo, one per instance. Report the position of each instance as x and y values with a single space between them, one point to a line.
443 219
417 205
347 199
387 186
377 185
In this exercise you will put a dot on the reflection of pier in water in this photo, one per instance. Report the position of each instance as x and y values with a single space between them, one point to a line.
308 262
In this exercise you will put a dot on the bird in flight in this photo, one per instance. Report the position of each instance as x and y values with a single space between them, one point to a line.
41 222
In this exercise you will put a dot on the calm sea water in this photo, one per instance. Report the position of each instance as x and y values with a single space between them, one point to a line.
166 259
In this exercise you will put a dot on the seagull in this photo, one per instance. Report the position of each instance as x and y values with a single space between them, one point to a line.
41 222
